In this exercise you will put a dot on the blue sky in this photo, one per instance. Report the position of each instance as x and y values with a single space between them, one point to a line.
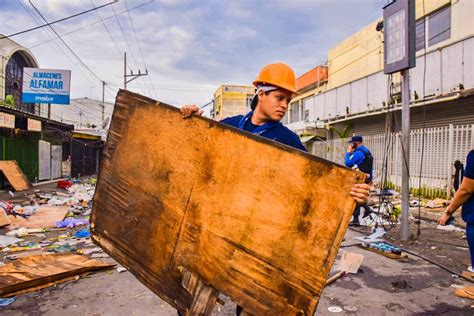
190 47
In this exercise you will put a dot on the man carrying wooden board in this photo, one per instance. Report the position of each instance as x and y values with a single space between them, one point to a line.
276 85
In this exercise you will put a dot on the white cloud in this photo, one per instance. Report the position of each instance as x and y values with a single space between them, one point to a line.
190 47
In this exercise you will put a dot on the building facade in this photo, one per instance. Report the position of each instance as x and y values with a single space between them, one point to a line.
34 135
230 100
360 99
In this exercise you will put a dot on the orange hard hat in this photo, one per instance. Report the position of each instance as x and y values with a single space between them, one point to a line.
278 75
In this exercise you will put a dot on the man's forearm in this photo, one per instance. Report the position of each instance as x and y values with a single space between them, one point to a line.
459 198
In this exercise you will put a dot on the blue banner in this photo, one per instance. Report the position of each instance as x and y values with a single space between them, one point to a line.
44 98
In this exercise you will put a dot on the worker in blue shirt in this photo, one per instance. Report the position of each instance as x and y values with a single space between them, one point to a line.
464 196
359 157
276 85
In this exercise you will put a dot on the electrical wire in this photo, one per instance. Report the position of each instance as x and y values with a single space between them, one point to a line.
65 44
92 24
419 256
139 48
129 48
57 21
61 48
436 264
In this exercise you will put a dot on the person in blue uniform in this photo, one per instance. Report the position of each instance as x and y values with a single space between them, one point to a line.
359 157
464 197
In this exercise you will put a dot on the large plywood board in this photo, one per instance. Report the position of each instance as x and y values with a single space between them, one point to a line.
192 203
14 175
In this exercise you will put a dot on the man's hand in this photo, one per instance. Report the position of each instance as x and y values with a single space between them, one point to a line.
443 219
360 193
190 109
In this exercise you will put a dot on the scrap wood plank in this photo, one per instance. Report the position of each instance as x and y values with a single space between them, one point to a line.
34 271
44 217
15 175
254 219
465 291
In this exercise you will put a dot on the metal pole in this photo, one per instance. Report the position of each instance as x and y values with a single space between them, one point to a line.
125 70
103 97
450 160
405 153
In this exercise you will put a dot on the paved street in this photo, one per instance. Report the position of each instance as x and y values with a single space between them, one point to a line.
428 291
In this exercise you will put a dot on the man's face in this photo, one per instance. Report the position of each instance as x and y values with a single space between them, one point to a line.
274 104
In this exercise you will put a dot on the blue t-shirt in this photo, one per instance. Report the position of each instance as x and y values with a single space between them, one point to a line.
468 206
276 132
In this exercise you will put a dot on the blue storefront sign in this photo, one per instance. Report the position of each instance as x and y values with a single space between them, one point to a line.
46 86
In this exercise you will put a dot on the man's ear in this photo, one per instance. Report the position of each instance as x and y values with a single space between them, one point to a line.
260 95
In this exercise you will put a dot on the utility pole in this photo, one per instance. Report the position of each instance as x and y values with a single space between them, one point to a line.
399 56
404 233
103 103
131 75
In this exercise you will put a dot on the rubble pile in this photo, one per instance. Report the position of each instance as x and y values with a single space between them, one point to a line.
44 222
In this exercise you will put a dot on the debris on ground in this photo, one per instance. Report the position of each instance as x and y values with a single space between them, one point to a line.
349 263
44 270
451 228
335 309
437 203
399 285
465 291
6 301
47 237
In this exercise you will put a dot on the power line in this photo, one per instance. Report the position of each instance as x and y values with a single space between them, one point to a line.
65 44
57 21
59 46
92 24
139 47
129 48
110 34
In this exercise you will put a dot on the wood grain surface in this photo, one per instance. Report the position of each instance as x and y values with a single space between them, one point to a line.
36 271
254 219
15 175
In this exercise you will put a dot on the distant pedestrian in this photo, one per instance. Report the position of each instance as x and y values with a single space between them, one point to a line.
359 157
464 196
458 174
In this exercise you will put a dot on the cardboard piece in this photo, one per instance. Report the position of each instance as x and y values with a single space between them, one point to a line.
193 199
35 271
15 175
45 217
350 262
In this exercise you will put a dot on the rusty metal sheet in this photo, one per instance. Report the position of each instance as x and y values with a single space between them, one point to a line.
193 207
